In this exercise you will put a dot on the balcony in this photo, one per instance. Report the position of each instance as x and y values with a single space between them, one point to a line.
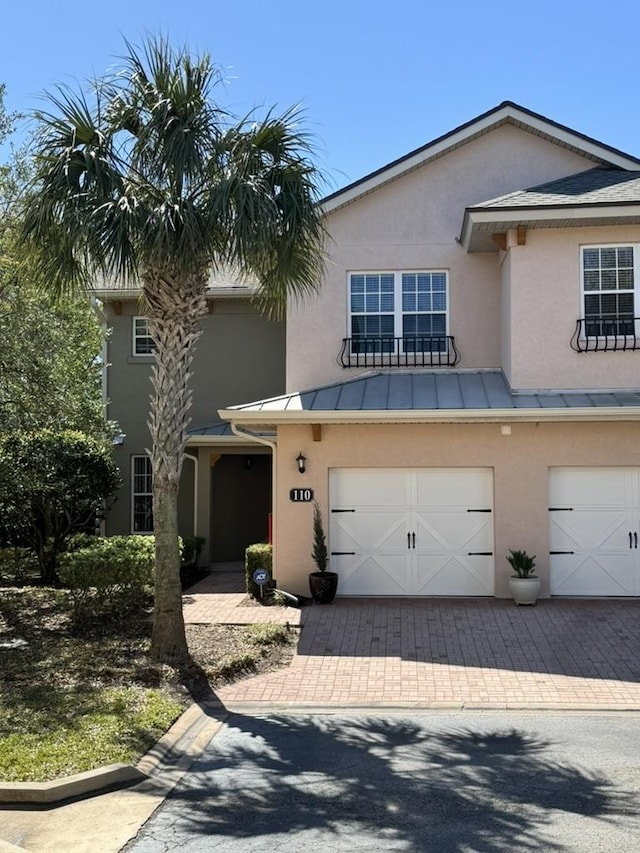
439 351
606 334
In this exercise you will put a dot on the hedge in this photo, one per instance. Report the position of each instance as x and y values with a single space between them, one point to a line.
258 556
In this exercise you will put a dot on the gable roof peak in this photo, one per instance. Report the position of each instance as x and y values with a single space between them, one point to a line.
507 112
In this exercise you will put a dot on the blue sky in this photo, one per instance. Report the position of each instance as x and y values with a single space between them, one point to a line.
376 79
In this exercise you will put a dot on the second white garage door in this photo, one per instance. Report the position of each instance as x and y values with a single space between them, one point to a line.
594 527
405 532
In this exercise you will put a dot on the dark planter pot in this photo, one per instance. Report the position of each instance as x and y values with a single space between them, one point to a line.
323 586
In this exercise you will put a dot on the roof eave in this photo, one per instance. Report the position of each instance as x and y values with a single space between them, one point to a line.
480 219
275 418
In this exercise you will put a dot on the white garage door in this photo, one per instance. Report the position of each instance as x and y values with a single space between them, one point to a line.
594 526
396 531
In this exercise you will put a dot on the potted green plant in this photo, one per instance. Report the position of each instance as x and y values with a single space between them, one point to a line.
524 585
322 583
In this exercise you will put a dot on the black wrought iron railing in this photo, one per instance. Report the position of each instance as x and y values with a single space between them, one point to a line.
438 351
606 334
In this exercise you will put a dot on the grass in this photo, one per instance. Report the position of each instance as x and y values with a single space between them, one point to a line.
81 729
74 697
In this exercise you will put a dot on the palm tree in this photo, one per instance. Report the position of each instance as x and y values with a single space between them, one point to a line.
149 180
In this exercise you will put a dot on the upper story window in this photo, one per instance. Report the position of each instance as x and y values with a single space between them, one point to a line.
143 343
609 289
608 299
398 311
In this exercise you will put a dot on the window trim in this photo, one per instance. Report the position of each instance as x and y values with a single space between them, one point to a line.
398 312
635 290
135 494
135 337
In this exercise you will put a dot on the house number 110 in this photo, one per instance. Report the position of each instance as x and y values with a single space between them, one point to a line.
301 495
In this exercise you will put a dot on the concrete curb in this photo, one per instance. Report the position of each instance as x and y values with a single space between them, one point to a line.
176 749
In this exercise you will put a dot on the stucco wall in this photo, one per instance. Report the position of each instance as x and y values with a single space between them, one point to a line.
412 224
546 301
239 358
520 464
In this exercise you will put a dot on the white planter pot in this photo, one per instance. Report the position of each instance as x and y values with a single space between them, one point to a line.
524 590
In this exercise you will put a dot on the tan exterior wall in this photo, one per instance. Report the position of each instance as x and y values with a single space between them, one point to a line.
520 464
239 358
412 224
545 302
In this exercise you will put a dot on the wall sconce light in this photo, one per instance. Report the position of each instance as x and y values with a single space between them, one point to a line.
302 462
118 440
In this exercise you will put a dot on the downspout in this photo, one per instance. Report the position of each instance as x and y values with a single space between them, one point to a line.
194 459
272 444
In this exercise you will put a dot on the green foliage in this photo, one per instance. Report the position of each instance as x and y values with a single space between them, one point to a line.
259 556
269 634
191 549
319 552
80 730
50 368
17 564
113 572
52 485
521 563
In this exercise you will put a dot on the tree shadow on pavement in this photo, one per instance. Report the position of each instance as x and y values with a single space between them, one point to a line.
291 783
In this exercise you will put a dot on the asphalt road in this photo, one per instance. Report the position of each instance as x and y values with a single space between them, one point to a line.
471 781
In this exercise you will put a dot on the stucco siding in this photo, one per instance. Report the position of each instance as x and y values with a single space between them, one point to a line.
520 463
240 357
546 301
413 224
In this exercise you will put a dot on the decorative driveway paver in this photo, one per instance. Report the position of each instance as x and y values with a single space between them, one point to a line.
435 653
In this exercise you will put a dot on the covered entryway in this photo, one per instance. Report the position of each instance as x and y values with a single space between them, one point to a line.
240 503
406 532
594 524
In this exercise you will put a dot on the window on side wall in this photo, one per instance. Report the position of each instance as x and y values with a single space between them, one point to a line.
141 495
143 343
608 289
405 312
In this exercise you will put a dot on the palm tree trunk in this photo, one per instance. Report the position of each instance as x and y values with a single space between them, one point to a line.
173 308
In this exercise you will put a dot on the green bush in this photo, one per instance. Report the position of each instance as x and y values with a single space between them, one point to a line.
258 556
116 570
17 564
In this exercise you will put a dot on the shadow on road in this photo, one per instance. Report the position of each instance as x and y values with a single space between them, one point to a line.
381 784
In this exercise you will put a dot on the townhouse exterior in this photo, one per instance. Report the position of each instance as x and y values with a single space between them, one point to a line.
225 488
466 381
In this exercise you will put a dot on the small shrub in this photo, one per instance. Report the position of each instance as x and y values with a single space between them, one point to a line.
269 634
258 556
191 549
113 571
234 665
17 564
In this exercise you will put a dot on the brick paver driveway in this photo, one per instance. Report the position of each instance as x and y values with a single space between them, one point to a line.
434 653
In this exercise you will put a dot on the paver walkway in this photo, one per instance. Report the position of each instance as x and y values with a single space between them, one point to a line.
434 653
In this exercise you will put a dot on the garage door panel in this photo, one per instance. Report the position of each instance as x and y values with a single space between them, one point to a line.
593 518
590 529
601 487
386 576
448 574
454 531
458 488
369 531
377 489
419 546
580 574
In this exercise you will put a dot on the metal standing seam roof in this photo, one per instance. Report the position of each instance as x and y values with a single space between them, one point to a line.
431 391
